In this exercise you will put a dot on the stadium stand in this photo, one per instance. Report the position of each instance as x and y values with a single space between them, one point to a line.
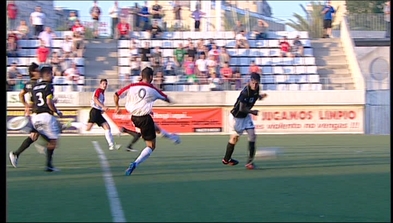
299 73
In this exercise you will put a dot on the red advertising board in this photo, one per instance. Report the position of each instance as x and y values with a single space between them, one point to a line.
179 120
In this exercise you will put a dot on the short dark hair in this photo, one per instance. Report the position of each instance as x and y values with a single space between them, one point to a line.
147 73
46 68
102 80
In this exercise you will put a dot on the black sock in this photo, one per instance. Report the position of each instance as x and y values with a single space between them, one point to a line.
251 151
229 152
136 136
25 144
49 154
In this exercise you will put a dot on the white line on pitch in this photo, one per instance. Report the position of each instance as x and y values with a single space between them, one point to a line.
113 196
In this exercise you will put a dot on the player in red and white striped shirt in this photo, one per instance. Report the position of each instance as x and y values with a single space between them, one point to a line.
139 103
97 109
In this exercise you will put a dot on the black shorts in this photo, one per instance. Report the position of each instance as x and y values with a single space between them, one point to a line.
96 117
146 125
327 24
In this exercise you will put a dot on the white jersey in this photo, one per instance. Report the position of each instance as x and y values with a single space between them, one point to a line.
99 93
140 98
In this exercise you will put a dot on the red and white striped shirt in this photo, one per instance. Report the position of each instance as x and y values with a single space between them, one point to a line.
99 93
140 98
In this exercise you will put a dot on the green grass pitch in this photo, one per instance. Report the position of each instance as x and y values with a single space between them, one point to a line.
318 178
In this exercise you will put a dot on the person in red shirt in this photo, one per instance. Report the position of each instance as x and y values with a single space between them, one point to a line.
226 75
285 47
123 29
12 12
254 68
42 53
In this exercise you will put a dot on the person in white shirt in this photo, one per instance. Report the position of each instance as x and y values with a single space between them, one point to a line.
114 13
47 37
37 20
201 69
241 40
140 98
95 116
211 65
67 45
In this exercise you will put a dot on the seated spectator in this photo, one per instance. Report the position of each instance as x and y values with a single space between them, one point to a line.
19 82
259 30
79 39
169 67
66 62
189 43
158 76
210 44
46 37
215 52
135 66
201 69
134 51
254 68
23 30
179 54
224 56
156 56
297 48
67 46
215 82
155 31
72 75
12 74
191 50
145 55
42 53
55 61
237 79
71 20
239 27
200 48
123 29
226 74
241 40
189 66
211 65
285 47
12 46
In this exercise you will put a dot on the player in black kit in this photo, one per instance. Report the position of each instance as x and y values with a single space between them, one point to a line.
44 121
240 120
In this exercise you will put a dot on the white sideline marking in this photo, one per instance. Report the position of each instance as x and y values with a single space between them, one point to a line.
113 196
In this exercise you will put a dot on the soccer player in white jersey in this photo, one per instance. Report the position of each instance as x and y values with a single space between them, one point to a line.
95 117
139 103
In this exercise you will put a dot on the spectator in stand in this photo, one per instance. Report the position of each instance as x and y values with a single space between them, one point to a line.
156 56
226 74
71 20
241 40
19 82
72 75
23 30
155 31
79 39
95 13
328 12
66 62
189 66
156 11
12 73
157 73
179 54
201 69
123 29
285 47
134 51
67 47
254 68
206 50
46 37
211 65
200 47
114 13
210 44
224 56
386 11
169 67
215 52
55 61
37 21
144 17
215 82
197 16
297 48
239 27
191 51
259 30
145 55
177 12
136 18
12 46
238 79
12 13
42 53
135 65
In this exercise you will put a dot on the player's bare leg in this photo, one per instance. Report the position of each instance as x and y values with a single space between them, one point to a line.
25 144
172 136
89 126
227 160
109 137
251 148
135 137
146 152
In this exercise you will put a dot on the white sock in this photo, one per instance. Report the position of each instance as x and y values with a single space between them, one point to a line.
143 156
164 133
109 137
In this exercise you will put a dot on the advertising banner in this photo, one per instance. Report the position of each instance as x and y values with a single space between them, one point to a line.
179 120
16 121
64 99
308 119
